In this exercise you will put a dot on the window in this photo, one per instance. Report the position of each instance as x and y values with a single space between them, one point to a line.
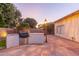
60 29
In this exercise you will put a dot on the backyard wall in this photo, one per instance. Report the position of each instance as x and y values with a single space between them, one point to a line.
8 30
36 31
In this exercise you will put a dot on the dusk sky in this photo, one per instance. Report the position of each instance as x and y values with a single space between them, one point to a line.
51 12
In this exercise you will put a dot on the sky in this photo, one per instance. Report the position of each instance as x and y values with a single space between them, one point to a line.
49 11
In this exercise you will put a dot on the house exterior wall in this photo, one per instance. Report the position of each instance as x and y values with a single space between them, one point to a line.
70 28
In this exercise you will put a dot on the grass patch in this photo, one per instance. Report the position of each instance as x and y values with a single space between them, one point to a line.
2 43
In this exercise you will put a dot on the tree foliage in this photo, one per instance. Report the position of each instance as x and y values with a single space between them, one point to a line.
26 25
32 22
49 27
17 14
23 26
8 15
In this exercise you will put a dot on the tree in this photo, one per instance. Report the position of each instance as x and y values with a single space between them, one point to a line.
17 17
32 22
8 14
23 26
17 14
2 23
50 27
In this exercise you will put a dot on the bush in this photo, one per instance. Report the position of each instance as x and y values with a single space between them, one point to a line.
2 43
23 26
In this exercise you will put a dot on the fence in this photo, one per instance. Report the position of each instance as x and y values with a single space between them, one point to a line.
36 31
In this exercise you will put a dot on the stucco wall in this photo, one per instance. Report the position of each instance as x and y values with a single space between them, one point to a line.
71 27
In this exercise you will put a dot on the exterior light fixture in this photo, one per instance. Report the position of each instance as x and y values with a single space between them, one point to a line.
45 21
45 29
3 34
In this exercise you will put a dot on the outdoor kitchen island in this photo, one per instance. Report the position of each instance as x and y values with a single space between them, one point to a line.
34 38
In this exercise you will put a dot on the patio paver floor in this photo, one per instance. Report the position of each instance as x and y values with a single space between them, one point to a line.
56 46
